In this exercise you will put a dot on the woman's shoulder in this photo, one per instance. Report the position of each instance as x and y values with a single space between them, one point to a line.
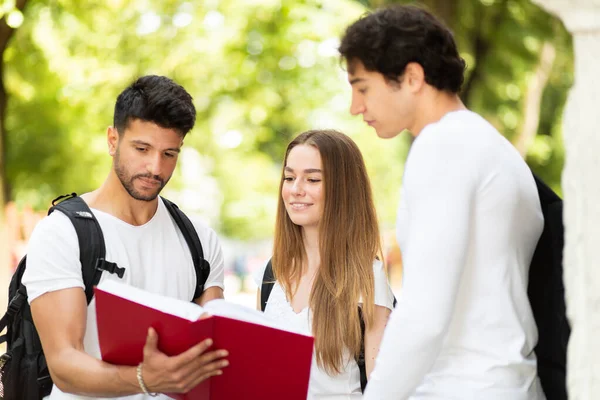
259 273
377 265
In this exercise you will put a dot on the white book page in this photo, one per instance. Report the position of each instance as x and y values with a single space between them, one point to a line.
168 305
223 308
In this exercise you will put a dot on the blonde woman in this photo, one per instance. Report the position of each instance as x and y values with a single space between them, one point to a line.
325 260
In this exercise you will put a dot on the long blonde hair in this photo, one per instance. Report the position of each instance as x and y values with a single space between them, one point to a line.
349 242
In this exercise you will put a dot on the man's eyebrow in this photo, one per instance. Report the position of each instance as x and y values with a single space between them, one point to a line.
142 143
356 80
306 171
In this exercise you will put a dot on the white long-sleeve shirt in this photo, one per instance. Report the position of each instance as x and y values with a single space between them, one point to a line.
468 223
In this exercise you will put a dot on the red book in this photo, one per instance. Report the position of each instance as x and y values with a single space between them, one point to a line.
265 362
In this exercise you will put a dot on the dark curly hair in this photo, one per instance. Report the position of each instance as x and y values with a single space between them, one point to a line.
386 40
155 99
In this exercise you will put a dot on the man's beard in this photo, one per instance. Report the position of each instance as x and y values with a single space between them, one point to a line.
128 182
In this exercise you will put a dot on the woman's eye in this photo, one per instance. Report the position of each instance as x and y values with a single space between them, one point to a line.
288 178
140 149
314 180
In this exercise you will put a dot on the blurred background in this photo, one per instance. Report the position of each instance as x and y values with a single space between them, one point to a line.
260 72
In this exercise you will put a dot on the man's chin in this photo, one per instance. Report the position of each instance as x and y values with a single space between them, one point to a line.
386 134
137 195
147 199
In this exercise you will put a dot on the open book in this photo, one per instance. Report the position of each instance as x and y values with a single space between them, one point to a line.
266 361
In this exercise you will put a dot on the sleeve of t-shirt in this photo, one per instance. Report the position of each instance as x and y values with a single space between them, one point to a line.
213 253
440 187
384 296
258 274
52 257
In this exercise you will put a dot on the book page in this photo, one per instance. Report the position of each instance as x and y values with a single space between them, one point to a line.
168 305
223 308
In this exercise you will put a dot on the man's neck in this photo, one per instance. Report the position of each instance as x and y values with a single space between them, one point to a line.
433 107
112 198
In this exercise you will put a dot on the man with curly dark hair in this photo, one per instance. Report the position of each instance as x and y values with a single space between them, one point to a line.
468 222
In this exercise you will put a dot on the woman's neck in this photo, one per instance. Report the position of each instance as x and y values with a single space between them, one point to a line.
311 247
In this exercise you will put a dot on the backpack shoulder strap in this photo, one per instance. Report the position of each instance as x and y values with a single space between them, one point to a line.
190 235
92 249
17 297
360 360
546 294
268 282
546 194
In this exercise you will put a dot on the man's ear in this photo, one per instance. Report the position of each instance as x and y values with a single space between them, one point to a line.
414 76
112 137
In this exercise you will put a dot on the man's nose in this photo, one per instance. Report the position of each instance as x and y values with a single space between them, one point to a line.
357 106
154 165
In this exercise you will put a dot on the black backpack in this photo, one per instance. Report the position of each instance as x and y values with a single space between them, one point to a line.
24 374
546 294
268 282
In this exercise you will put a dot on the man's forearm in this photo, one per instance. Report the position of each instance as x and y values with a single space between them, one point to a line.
76 372
407 352
212 293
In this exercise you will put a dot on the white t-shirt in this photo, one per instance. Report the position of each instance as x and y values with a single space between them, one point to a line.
155 256
346 385
468 224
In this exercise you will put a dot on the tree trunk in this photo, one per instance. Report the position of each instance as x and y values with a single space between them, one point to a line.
6 33
533 99
4 196
581 189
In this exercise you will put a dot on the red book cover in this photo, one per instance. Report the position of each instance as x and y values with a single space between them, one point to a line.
264 362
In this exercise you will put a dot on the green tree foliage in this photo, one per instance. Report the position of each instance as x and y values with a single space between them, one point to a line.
260 72
519 69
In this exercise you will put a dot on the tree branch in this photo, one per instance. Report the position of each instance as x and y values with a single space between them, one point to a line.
533 98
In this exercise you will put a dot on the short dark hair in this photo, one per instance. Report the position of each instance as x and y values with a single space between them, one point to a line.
155 99
386 40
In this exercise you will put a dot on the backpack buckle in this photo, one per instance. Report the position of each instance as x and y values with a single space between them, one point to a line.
205 267
4 358
63 197
110 267
16 302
